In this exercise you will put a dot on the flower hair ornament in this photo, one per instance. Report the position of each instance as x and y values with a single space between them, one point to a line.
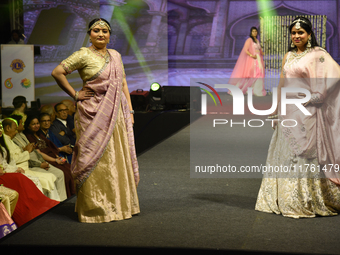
101 23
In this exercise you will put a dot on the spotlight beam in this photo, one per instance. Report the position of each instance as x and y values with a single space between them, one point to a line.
132 41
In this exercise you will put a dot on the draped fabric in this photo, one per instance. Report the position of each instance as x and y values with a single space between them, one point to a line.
35 162
305 143
9 198
31 202
97 118
249 72
49 148
7 225
21 159
50 136
295 194
11 167
104 162
110 193
316 135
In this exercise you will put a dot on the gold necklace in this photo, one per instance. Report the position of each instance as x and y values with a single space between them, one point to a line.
106 56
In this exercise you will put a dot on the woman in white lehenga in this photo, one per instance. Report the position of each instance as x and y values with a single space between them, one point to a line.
309 187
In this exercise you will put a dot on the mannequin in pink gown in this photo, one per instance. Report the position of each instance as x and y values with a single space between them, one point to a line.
249 69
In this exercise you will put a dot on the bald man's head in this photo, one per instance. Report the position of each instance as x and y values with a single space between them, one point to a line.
70 105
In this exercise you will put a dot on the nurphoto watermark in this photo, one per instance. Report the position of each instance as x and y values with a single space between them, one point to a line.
233 134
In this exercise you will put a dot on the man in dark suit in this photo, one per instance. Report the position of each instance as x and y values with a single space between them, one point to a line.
71 111
60 128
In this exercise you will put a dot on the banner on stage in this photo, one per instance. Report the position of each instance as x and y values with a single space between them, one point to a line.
17 73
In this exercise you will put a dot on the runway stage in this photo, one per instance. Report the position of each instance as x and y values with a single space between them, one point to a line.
179 213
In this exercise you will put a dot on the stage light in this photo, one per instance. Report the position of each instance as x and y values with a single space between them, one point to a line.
156 96
156 91
155 86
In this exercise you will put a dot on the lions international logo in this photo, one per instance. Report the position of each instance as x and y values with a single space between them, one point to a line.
8 84
17 65
26 83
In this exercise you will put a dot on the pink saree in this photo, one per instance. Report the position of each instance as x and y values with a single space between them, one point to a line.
317 135
96 119
7 225
249 72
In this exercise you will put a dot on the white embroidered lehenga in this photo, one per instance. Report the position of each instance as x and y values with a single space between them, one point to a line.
304 191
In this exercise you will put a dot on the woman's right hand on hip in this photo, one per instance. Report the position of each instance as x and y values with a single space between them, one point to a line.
85 94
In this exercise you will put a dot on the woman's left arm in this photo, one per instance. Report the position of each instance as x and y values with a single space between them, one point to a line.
325 76
128 98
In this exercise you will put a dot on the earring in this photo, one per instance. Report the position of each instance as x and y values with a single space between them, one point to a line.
309 43
292 45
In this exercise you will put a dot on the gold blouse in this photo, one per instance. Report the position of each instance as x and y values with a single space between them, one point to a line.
87 61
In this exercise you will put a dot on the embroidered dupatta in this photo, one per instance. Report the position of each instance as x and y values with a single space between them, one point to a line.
316 135
95 119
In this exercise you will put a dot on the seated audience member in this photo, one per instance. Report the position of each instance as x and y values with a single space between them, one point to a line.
71 111
9 197
9 164
36 160
30 202
20 106
16 38
48 108
45 124
59 127
8 201
49 151
21 160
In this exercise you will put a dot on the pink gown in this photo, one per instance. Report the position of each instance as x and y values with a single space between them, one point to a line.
249 72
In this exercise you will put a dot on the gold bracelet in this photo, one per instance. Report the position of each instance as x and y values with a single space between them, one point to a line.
76 95
273 116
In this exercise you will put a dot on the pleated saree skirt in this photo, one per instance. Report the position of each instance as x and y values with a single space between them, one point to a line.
109 193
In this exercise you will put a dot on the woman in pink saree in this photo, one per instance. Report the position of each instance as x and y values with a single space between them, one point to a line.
307 145
104 162
249 69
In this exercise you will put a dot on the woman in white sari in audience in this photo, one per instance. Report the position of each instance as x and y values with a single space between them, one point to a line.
31 202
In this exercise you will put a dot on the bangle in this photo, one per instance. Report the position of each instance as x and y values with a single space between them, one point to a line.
273 116
132 112
76 96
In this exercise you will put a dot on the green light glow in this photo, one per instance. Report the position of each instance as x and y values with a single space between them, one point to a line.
155 86
119 16
266 8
